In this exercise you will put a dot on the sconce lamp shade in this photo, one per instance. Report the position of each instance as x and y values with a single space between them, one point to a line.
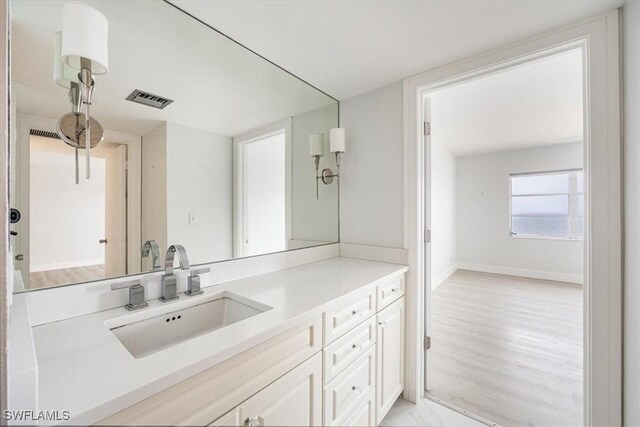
316 144
337 140
85 33
63 75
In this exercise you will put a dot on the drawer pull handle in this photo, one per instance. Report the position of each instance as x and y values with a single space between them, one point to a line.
357 313
394 290
356 346
252 421
383 324
356 389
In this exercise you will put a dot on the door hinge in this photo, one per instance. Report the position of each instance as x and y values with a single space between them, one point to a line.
427 342
126 166
427 128
427 236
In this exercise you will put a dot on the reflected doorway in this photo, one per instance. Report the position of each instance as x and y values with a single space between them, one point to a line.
78 232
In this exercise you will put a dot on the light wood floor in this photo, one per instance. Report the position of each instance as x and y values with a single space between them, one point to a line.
66 275
425 413
508 349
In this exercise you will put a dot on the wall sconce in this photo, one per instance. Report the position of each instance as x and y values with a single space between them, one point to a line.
337 146
316 144
82 46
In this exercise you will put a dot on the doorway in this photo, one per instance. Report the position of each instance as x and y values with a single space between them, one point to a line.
602 278
505 260
60 251
262 190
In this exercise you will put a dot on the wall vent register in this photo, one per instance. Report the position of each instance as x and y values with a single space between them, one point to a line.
149 99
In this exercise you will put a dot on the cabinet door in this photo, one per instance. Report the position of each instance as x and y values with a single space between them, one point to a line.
231 418
364 415
293 400
390 360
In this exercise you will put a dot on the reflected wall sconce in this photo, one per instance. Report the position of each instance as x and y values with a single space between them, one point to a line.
83 46
337 145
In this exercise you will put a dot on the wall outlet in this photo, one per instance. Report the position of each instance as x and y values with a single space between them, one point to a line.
192 218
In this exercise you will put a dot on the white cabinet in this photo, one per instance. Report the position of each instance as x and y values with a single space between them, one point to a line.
390 357
348 348
364 414
231 418
344 316
293 400
292 379
345 393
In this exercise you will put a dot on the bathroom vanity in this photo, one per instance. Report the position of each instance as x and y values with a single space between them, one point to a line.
326 348
263 323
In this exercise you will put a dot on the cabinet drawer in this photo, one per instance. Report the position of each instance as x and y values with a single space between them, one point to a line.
348 348
214 392
342 318
349 389
390 291
364 414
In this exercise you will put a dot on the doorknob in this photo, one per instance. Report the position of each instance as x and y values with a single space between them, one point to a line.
103 240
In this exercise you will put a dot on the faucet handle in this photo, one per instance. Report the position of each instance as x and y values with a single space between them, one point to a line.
193 282
200 271
136 294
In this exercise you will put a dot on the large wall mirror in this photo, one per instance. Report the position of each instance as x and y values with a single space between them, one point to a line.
222 167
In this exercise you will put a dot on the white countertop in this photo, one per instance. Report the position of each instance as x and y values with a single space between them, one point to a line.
84 369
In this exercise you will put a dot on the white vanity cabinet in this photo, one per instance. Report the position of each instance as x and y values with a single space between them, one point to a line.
364 367
345 368
293 400
390 357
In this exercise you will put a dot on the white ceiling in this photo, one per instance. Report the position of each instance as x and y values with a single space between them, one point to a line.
350 47
527 106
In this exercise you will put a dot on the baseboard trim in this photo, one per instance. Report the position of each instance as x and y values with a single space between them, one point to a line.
65 265
375 253
521 272
443 277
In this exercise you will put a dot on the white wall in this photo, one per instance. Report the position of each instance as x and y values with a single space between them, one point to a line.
483 215
154 190
200 181
67 220
311 219
631 55
372 199
444 232
187 170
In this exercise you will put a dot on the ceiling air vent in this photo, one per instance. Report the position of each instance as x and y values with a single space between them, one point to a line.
149 99
44 133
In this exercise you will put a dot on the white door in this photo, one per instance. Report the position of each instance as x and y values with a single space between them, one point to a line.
115 239
293 400
390 357
263 195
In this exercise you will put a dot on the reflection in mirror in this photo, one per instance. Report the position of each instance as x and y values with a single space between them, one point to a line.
205 144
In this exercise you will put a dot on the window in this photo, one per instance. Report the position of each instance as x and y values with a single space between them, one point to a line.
549 204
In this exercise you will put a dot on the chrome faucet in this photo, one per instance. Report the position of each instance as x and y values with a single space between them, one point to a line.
136 294
151 246
169 280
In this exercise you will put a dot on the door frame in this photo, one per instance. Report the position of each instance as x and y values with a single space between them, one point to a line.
238 171
24 124
599 37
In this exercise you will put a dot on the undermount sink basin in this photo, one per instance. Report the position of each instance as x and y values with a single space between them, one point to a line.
148 336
